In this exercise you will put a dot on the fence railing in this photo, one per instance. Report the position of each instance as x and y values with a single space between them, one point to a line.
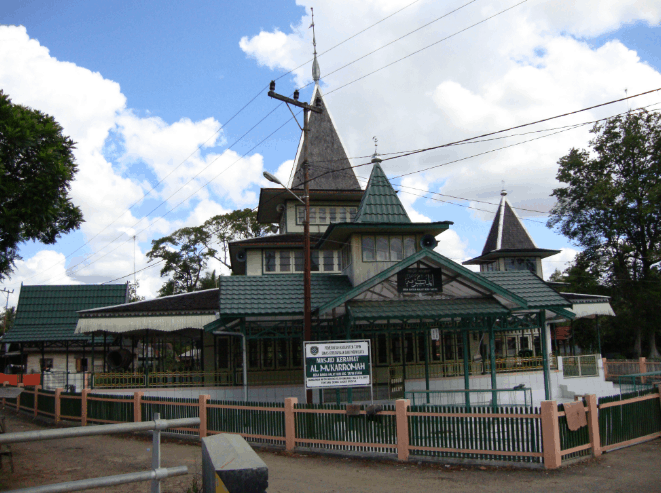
472 397
615 368
517 434
580 366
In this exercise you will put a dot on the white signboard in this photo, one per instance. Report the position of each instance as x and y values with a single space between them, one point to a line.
435 336
336 364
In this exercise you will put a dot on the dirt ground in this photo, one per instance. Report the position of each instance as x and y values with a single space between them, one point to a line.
632 469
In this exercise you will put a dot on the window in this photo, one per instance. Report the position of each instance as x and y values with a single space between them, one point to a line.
421 346
253 354
296 354
46 364
332 215
268 354
329 260
81 364
313 215
282 353
342 214
511 346
491 266
369 253
285 261
352 213
382 349
409 246
396 248
499 347
314 260
523 263
346 256
300 215
448 346
396 344
298 260
436 350
382 249
326 215
321 215
269 261
223 354
523 343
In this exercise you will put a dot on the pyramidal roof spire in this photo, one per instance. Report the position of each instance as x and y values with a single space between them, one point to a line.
507 231
380 203
316 72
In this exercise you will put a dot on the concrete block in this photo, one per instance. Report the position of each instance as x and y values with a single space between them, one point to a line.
230 465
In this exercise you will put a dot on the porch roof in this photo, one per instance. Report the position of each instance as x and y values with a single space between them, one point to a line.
529 287
426 309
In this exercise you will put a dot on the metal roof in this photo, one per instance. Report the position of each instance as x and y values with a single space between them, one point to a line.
425 309
380 203
195 302
276 294
528 286
49 313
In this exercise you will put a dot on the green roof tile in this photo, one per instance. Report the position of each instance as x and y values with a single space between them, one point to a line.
276 294
49 313
380 203
528 286
415 309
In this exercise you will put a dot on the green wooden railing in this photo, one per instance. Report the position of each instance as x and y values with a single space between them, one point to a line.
46 403
570 439
171 408
260 423
111 410
71 408
516 434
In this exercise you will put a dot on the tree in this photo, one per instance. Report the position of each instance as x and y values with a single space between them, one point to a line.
7 320
185 256
36 170
610 205
233 226
133 292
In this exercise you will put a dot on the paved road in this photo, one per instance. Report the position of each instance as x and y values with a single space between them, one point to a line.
635 469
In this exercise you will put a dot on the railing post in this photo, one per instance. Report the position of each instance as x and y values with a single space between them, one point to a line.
593 424
550 435
137 406
18 398
203 414
290 423
642 367
58 405
36 399
401 411
83 407
605 363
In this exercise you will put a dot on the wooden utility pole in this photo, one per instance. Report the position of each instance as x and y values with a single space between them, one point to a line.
307 301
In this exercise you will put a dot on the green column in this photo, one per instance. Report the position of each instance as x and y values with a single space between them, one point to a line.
596 321
492 364
545 354
464 335
426 336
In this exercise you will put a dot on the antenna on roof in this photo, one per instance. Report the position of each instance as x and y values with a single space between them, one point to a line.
316 72
375 158
503 192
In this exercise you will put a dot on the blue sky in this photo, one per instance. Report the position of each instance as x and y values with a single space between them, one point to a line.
141 85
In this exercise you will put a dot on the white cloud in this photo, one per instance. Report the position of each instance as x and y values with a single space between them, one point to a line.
559 261
452 246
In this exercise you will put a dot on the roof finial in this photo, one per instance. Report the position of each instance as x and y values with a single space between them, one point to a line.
375 156
503 192
316 72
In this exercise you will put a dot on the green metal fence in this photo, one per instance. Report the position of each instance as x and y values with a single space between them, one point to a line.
471 397
619 424
46 403
111 409
337 426
570 439
639 381
516 434
71 408
171 408
27 398
244 417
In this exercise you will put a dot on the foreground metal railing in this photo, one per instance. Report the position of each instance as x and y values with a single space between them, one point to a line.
155 475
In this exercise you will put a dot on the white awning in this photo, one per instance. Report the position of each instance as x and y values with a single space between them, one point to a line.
589 310
120 325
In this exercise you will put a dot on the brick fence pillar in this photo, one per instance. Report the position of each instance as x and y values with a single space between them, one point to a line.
36 399
402 419
137 406
551 435
58 405
605 362
593 424
83 407
642 367
203 400
290 423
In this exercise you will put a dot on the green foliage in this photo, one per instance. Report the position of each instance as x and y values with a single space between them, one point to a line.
610 205
7 320
37 167
133 292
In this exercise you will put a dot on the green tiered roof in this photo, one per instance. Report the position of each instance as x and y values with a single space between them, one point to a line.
380 203
49 313
527 285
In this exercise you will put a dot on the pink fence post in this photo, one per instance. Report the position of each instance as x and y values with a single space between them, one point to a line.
551 435
204 398
36 399
593 424
58 405
18 398
83 407
642 367
401 411
605 368
290 423
137 406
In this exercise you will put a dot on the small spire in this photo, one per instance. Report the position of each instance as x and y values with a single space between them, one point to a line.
375 156
316 72
503 192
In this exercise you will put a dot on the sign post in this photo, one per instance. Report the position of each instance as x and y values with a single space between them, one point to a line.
338 364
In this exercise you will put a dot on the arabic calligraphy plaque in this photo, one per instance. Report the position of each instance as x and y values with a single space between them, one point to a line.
420 281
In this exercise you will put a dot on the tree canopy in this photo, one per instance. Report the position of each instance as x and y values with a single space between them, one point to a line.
37 167
186 252
610 205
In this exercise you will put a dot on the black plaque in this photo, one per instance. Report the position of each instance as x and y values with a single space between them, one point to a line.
419 281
